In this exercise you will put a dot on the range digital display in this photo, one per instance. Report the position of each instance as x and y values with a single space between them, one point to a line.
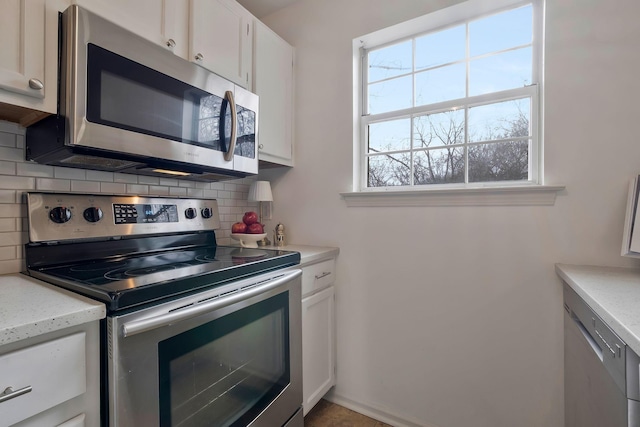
144 213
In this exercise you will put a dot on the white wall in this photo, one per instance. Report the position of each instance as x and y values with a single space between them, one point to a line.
452 316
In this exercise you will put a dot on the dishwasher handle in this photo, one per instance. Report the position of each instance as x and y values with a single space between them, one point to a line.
587 336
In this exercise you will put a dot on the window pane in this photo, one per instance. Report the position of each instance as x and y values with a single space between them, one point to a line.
500 72
501 120
390 61
390 95
442 166
389 170
441 47
440 84
502 31
499 161
438 129
393 135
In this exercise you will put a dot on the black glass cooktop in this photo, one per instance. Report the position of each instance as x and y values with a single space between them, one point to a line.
123 282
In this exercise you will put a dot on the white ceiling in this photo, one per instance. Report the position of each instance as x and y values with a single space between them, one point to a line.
261 8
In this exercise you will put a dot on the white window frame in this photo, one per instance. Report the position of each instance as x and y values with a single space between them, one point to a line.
438 20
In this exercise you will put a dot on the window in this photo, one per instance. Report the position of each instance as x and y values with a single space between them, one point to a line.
454 103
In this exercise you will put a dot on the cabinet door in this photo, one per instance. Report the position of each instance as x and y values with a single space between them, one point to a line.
318 341
162 22
273 82
22 31
221 39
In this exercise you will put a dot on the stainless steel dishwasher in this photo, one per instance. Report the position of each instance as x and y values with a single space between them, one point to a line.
602 387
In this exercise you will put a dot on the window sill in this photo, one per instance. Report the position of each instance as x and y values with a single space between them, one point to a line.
542 195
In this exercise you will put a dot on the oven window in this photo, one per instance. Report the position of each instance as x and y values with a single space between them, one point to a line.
225 372
124 94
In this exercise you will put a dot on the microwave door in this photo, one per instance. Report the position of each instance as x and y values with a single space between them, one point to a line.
246 148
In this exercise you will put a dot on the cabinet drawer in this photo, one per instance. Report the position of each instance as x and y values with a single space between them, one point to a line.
318 276
48 374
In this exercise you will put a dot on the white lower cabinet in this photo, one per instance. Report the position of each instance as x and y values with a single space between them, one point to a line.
318 332
53 381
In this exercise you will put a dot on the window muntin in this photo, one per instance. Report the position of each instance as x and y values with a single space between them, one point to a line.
453 106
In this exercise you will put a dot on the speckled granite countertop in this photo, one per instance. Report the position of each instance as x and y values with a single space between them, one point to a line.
310 254
613 293
30 307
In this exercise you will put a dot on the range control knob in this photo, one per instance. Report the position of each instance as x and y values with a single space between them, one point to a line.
92 214
190 213
207 212
60 214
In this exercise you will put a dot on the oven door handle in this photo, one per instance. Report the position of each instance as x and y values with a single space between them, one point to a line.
138 326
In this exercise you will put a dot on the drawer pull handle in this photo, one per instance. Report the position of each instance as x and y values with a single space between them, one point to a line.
324 274
10 393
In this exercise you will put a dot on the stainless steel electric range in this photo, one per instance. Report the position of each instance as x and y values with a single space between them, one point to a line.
196 334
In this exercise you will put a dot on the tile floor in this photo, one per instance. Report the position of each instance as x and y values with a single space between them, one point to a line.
327 414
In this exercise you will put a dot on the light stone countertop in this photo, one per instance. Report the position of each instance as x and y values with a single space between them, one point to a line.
613 293
30 307
309 254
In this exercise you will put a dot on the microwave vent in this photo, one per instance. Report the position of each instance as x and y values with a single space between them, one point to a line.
101 163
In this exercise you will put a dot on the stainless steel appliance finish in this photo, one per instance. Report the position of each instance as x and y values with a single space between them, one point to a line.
602 383
153 113
196 334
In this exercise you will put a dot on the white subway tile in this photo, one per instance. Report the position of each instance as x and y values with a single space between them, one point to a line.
34 169
224 194
20 141
12 154
7 140
7 224
7 196
126 178
13 210
186 184
149 180
12 266
85 186
7 168
137 189
217 186
229 187
17 183
99 176
69 173
20 252
211 194
169 182
21 197
158 190
177 191
112 187
195 192
48 184
8 252
11 127
13 238
18 222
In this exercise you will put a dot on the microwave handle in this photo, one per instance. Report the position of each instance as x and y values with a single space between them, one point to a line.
228 156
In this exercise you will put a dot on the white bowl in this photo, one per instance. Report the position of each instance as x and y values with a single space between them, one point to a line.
248 240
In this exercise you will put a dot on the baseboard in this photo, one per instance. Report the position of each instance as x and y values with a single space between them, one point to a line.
375 412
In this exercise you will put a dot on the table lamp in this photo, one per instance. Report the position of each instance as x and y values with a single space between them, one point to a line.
260 191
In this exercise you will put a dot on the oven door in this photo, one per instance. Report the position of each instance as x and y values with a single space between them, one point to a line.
229 356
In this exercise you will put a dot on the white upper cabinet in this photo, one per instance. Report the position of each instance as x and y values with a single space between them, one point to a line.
162 22
221 39
273 82
28 59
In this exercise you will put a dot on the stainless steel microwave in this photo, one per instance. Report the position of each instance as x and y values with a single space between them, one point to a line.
128 105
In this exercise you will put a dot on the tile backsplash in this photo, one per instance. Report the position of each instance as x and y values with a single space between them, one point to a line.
18 176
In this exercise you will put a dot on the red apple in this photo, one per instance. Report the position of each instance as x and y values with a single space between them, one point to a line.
250 218
239 227
255 228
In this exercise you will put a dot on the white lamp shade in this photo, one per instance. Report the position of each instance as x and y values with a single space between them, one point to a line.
260 191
